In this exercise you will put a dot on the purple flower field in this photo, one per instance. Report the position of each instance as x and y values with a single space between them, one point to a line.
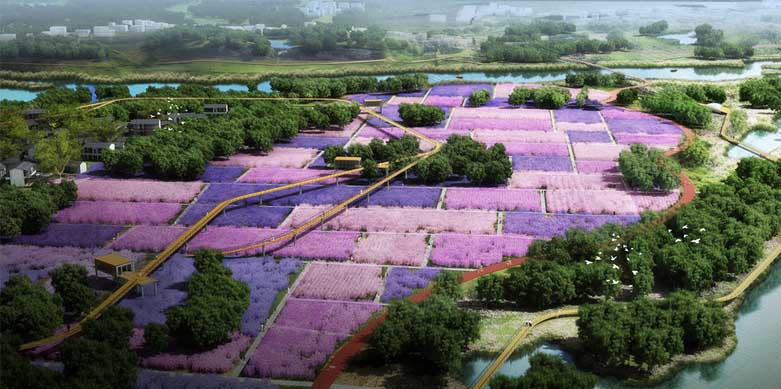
500 124
171 277
444 101
314 142
463 90
403 196
266 278
151 379
303 336
100 189
546 226
74 235
589 137
217 360
643 126
237 216
400 282
36 262
533 148
285 175
586 166
221 173
362 97
147 238
493 198
523 180
322 245
227 238
116 212
542 163
311 194
576 116
661 139
389 248
474 251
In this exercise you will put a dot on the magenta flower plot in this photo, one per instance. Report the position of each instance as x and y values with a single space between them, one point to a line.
114 212
324 281
546 226
473 251
137 190
491 198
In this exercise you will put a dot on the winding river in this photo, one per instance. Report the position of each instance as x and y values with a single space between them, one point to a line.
753 69
753 364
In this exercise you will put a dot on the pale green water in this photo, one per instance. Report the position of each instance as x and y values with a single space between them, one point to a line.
768 142
755 363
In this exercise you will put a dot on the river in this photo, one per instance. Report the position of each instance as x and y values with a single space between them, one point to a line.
753 364
681 73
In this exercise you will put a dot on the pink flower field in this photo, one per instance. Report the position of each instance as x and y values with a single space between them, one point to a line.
283 175
646 201
586 166
324 281
566 126
284 157
522 180
533 148
147 238
474 251
137 190
323 245
226 238
500 124
398 100
215 361
115 212
608 201
444 101
402 220
493 199
499 136
391 249
518 114
598 151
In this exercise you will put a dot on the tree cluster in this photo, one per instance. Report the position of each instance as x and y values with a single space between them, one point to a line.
421 115
182 39
42 47
464 156
654 29
328 37
432 335
545 97
627 96
214 306
524 43
546 371
28 310
29 210
542 284
677 105
53 97
644 334
711 45
762 92
396 151
70 283
705 93
479 98
581 79
647 169
338 87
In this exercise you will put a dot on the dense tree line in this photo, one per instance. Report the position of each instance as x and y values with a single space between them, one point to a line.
328 37
182 39
544 284
433 334
545 97
338 87
581 79
711 45
29 210
647 169
62 96
644 334
463 156
704 93
762 92
524 43
42 47
546 371
420 115
678 106
654 29
27 310
70 283
214 306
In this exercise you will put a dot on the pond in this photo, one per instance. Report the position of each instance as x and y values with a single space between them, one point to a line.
280 44
768 142
683 39
514 367
753 364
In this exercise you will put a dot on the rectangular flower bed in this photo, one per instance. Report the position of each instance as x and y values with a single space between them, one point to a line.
285 175
517 148
589 137
576 116
401 282
598 151
546 226
320 245
402 197
565 126
499 136
493 199
463 90
523 180
73 235
500 124
398 100
519 114
147 238
648 139
590 201
323 281
215 361
444 101
474 251
171 278
391 249
137 190
506 88
238 216
279 157
115 212
643 126
542 163
587 166
221 173
314 142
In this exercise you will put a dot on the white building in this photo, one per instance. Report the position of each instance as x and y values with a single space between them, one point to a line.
56 31
82 33
7 37
135 28
103 32
119 28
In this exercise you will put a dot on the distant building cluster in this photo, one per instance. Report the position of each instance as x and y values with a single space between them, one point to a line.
470 13
107 31
329 8
256 27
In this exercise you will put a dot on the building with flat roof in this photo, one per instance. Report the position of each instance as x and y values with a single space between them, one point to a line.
144 126
113 264
215 109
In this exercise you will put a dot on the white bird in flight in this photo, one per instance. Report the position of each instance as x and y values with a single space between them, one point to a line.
634 272
696 241
616 267
588 262
678 241
685 227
